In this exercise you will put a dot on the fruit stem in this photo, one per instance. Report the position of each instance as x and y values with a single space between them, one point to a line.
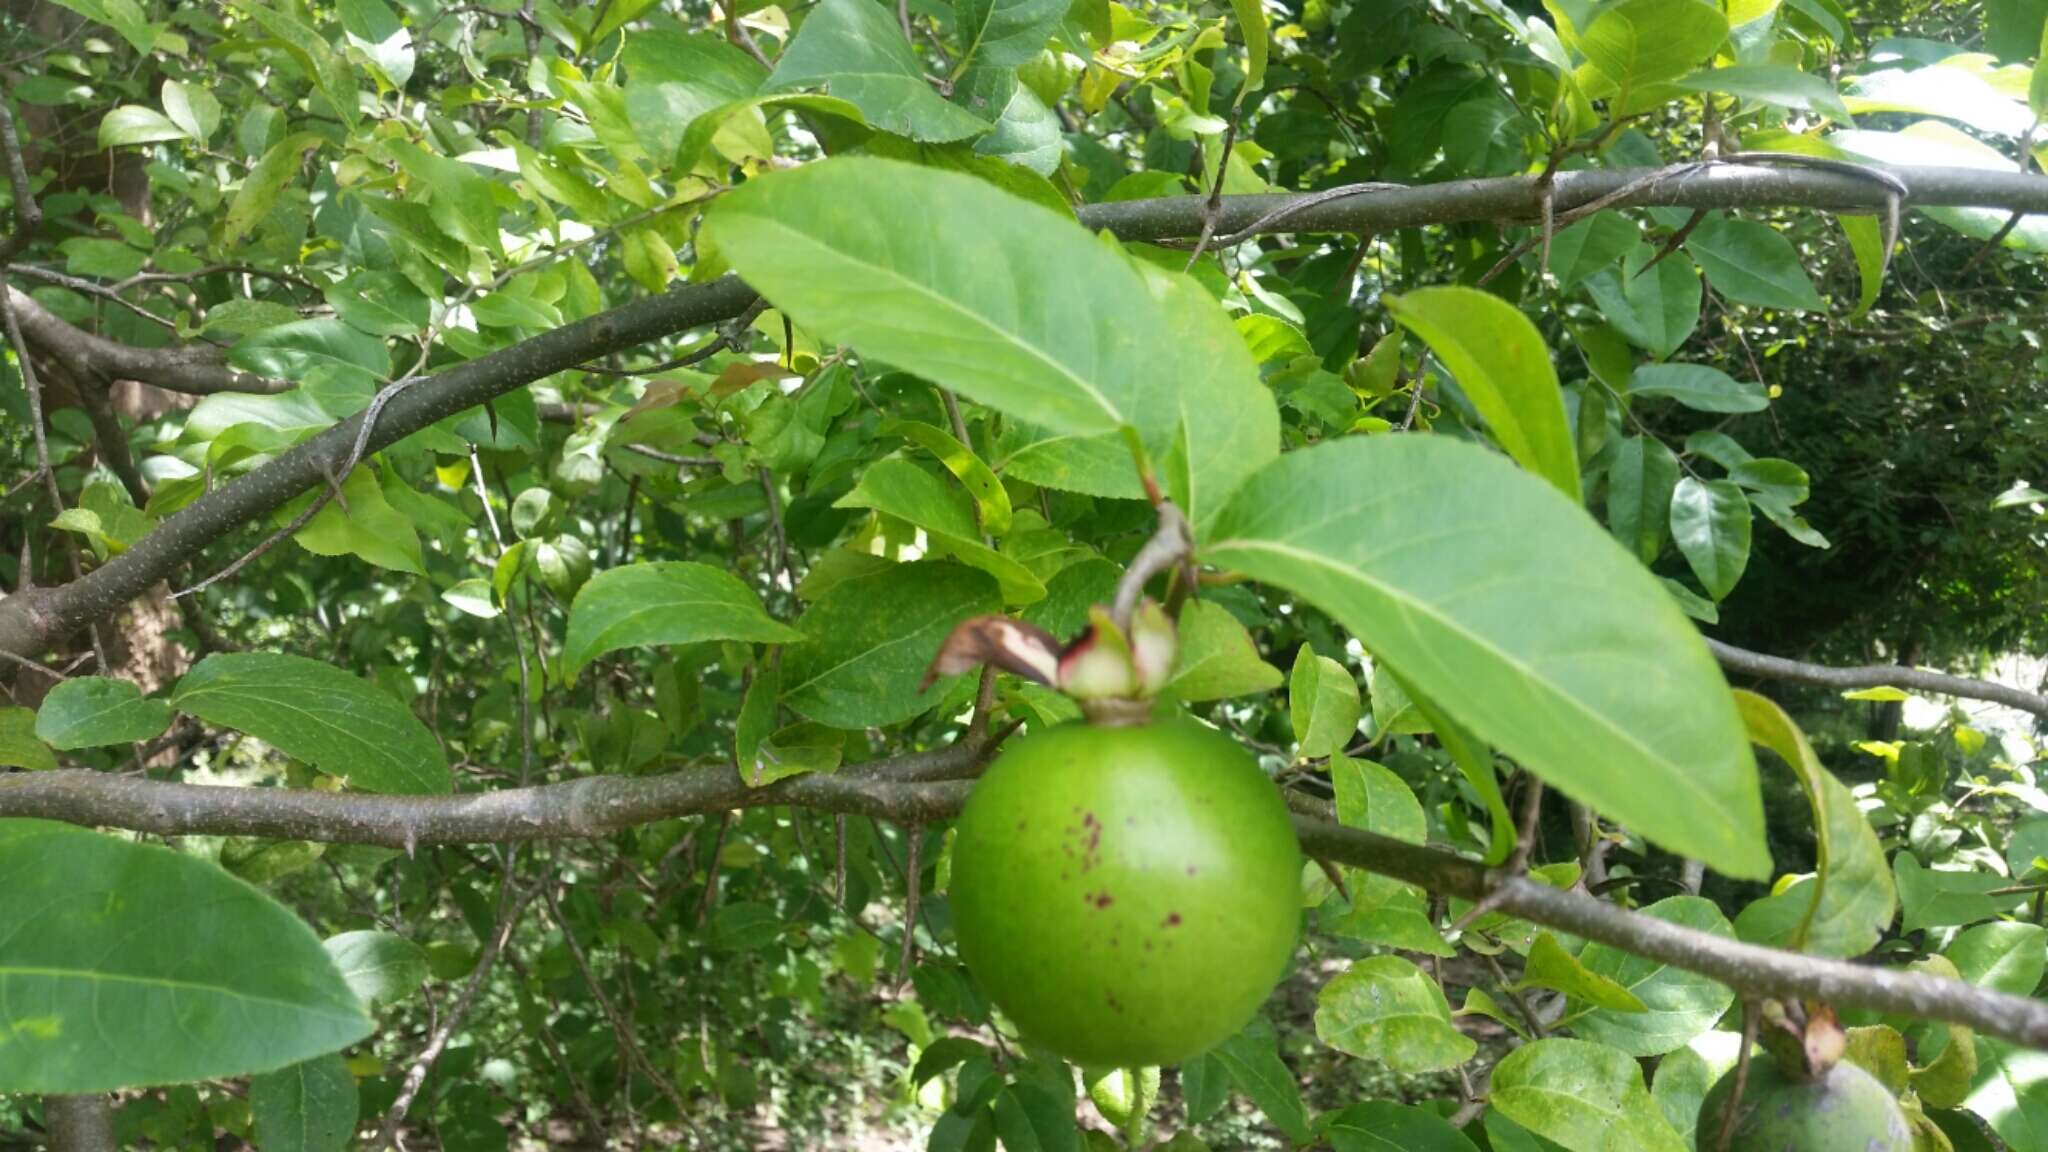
1171 543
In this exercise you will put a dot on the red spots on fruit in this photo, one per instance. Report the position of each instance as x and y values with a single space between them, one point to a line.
1192 870
1115 1005
1148 945
1172 920
1099 899
1130 821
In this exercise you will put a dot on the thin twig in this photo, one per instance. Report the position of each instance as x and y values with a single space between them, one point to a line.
622 1027
1732 1109
913 880
1170 543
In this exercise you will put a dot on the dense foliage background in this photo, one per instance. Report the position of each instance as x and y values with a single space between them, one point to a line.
701 548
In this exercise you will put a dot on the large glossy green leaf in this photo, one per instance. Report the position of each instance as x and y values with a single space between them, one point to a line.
309 1107
1583 1096
1710 523
1457 569
1946 90
1046 324
339 723
126 964
868 641
1943 897
1752 263
134 124
1503 366
1941 145
89 711
855 51
665 602
1850 901
1677 1005
298 350
329 69
1387 1010
1656 309
2011 1091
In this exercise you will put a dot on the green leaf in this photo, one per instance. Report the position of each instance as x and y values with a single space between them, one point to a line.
264 183
130 964
1654 309
362 523
1940 897
2011 1092
870 638
1026 136
1218 659
1251 24
380 303
1070 337
1866 243
855 51
1592 245
1029 1118
19 747
193 109
946 512
1640 481
1384 1126
298 350
123 16
331 73
104 258
459 201
340 724
1683 1080
1450 564
308 1107
1752 263
1851 900
1003 33
1252 1057
755 722
1935 144
1944 90
2037 83
665 602
1710 524
1778 85
134 124
1550 966
1698 387
1639 43
373 29
1677 1005
1503 366
2004 956
1383 910
1583 1096
380 967
1322 698
90 711
673 77
1385 1009
991 500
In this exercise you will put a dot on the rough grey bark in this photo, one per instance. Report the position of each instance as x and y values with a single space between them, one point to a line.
1876 676
79 1123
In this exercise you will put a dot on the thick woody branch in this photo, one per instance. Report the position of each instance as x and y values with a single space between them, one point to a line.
1876 676
28 625
200 369
922 787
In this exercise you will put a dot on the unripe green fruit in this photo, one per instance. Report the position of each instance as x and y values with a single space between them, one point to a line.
1129 896
1844 1110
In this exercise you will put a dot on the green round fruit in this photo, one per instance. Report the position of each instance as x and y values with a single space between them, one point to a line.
1844 1110
1129 896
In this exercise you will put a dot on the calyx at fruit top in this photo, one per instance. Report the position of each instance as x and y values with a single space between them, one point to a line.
1113 676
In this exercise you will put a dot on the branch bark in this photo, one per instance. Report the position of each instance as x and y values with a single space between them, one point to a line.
927 786
79 1123
199 369
1876 676
31 624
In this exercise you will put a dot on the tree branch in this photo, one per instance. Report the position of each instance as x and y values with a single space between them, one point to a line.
1876 676
79 1123
30 624
198 369
924 787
